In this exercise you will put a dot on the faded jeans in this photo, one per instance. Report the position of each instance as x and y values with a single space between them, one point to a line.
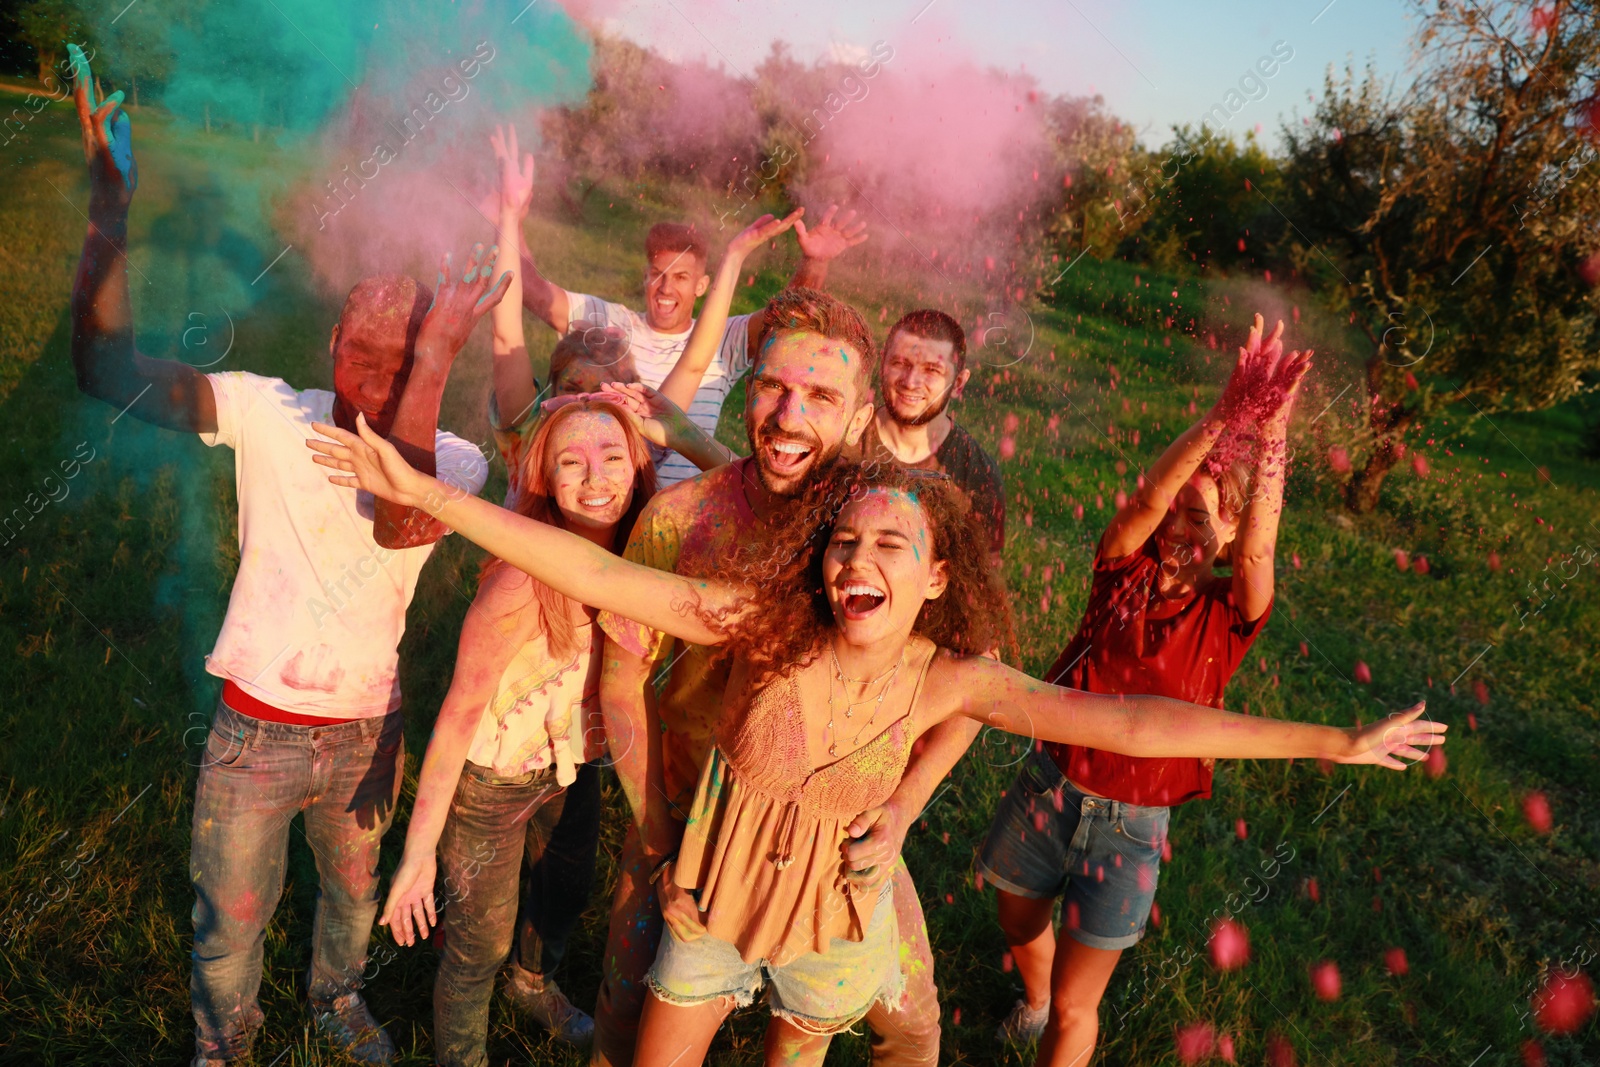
493 820
254 777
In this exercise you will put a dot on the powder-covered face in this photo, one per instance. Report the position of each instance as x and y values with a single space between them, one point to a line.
802 406
1196 528
370 367
672 282
591 474
878 569
919 377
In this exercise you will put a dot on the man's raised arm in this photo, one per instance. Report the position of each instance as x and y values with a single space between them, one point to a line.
164 392
457 307
819 246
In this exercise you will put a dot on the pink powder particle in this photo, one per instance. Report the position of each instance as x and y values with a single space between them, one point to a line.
1536 809
1564 1003
1325 980
1394 961
1195 1042
1339 460
1363 672
1229 945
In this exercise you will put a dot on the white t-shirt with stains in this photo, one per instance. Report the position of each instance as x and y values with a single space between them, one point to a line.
318 608
655 354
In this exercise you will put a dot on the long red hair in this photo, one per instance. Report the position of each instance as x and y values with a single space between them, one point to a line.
538 502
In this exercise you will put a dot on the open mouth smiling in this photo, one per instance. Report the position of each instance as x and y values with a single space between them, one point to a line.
861 599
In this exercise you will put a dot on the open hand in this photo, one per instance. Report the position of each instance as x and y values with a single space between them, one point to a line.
761 231
372 464
516 176
828 239
409 912
879 835
107 137
1399 736
458 305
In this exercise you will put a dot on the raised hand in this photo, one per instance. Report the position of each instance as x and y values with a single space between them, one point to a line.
107 137
370 463
761 231
828 239
409 911
516 177
1386 741
458 305
1246 394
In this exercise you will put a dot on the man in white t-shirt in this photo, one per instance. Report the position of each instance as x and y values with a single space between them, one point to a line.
674 278
309 722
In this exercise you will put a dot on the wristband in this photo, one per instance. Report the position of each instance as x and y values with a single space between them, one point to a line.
662 866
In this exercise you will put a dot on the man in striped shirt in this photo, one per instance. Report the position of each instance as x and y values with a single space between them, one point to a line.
674 278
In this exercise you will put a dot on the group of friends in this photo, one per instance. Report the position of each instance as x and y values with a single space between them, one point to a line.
779 655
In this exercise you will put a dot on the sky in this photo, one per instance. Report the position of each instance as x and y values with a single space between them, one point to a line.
1158 63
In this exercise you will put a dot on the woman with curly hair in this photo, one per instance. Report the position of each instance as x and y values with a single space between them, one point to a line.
859 626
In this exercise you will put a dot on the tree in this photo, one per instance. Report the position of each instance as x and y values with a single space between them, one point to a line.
1216 208
1456 224
47 26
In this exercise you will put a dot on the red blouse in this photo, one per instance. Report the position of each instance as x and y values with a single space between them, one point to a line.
1123 647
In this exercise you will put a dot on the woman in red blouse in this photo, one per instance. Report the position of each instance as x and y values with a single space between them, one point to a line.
1087 824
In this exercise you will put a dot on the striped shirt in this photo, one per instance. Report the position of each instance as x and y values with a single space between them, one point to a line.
655 354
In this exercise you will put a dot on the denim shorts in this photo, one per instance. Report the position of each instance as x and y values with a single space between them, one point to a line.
818 992
1103 856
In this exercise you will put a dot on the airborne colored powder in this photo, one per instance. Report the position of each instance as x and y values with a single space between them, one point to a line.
383 113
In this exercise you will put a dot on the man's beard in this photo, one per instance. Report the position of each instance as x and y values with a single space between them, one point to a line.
822 462
927 415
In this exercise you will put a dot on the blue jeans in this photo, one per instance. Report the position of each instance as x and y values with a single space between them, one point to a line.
254 777
492 820
1103 856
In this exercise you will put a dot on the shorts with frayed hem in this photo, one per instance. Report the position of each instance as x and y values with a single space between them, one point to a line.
820 993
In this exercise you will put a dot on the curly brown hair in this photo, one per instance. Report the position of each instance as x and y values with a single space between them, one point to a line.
783 625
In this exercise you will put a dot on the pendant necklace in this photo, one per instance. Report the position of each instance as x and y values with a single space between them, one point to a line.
849 708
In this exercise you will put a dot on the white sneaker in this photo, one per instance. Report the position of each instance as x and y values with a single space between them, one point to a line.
1024 1025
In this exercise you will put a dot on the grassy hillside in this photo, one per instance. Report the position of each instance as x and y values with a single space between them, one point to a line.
111 593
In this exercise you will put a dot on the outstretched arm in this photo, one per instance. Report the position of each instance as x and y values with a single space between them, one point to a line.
680 385
164 392
819 246
500 620
566 562
457 307
515 389
1133 725
1139 517
1255 545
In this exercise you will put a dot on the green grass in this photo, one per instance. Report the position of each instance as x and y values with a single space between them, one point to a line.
110 598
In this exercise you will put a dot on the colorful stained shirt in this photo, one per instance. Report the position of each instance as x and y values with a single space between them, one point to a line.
692 528
318 607
545 710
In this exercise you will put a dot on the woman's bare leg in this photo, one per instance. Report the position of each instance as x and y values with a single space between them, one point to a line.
789 1046
1077 984
1026 922
678 1035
